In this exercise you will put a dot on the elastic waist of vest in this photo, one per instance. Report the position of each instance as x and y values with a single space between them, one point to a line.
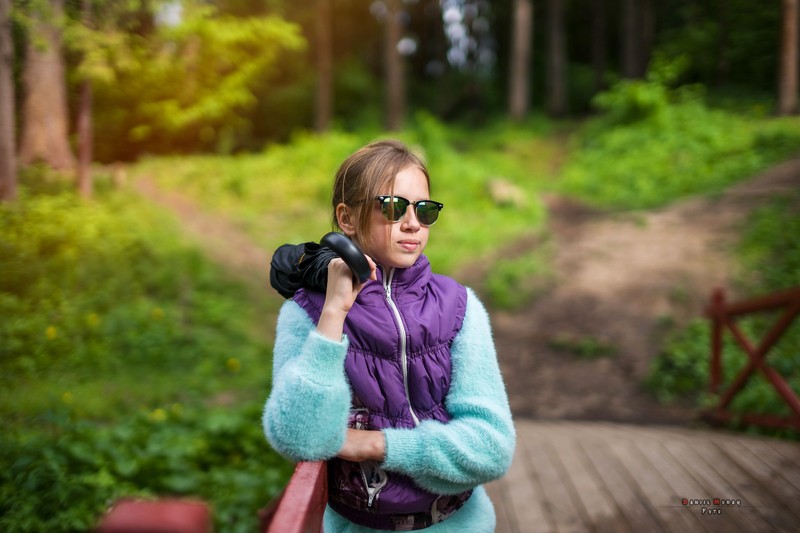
443 507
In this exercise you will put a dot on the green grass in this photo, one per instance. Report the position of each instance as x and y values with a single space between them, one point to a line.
283 194
129 365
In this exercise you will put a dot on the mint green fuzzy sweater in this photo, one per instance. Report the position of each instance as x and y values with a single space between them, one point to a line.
306 415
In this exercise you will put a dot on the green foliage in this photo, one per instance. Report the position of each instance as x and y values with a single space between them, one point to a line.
89 292
119 347
185 87
63 480
582 347
513 283
770 258
283 194
655 144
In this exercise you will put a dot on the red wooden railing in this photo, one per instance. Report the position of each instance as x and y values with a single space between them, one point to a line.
300 507
722 315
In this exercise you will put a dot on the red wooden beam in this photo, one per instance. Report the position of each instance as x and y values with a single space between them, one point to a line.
302 503
721 315
159 516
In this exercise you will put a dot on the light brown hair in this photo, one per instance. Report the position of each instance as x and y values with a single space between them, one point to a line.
363 174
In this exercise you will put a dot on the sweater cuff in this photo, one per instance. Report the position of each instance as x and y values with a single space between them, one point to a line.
401 447
327 357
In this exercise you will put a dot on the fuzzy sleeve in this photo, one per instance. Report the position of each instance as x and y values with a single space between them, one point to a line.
477 445
305 417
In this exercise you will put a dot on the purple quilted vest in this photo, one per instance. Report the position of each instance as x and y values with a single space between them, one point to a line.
398 363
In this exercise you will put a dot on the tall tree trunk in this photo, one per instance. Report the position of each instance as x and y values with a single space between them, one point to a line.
556 60
648 35
324 107
787 84
395 78
599 49
723 61
45 117
8 165
519 93
631 39
85 132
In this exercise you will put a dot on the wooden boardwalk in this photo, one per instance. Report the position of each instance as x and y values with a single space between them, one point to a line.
587 476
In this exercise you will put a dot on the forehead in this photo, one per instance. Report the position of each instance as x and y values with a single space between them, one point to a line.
410 182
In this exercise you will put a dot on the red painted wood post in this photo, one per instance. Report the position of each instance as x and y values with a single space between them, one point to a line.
303 501
160 516
716 311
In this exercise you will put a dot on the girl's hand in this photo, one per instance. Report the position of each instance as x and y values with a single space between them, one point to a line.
340 296
362 445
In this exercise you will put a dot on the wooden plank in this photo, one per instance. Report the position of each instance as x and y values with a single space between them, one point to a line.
304 500
782 493
652 485
754 498
526 496
684 486
498 494
775 460
600 511
629 507
566 515
715 485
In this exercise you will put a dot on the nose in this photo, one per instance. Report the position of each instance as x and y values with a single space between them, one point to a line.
409 221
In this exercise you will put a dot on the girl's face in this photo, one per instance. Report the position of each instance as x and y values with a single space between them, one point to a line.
399 244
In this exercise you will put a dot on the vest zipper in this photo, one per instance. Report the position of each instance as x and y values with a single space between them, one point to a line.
403 356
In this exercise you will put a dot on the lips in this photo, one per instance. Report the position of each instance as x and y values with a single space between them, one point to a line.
411 246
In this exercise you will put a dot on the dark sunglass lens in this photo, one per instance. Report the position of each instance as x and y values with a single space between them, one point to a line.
394 210
427 212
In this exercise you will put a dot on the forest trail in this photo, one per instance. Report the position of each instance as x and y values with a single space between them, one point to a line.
619 279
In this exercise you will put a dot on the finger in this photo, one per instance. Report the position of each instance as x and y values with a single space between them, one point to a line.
373 268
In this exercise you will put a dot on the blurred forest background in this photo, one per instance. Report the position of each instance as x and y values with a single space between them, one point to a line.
134 363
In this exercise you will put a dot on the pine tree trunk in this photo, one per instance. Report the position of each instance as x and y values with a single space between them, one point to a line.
519 93
395 79
787 84
631 39
648 36
324 107
557 60
599 49
45 117
8 166
85 131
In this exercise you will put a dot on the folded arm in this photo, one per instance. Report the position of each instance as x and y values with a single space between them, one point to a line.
306 414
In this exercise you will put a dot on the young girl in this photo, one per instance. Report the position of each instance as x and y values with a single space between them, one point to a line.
395 381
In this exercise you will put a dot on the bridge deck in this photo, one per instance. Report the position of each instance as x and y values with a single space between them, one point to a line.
579 476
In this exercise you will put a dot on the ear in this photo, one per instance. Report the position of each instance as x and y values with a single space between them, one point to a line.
347 219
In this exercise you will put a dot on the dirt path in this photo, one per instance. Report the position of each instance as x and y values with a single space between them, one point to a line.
620 279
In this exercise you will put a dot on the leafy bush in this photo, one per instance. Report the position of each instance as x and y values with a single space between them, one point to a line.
63 480
770 256
655 144
119 345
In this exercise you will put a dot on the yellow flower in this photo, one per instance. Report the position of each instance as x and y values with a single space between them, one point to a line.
92 320
157 313
67 398
51 332
233 364
158 415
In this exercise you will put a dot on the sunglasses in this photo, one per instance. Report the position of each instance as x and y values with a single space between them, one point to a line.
394 209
